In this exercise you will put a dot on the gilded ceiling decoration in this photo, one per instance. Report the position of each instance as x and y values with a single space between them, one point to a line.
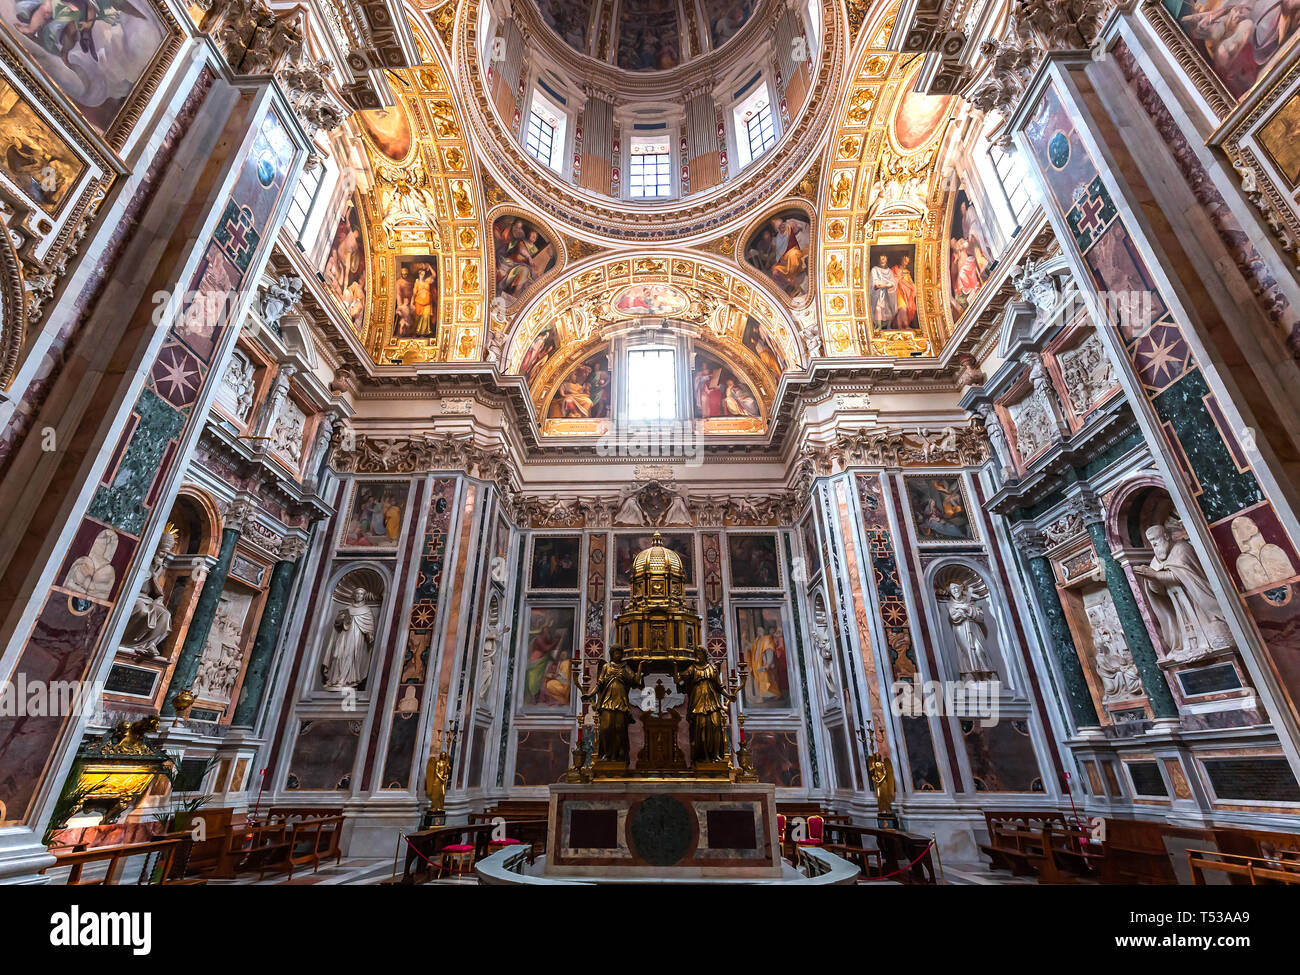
701 215
465 266
881 215
423 225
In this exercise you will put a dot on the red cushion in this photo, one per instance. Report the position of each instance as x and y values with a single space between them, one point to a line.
507 841
458 848
809 842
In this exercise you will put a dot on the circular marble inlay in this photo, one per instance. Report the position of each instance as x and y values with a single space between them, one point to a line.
1058 150
660 828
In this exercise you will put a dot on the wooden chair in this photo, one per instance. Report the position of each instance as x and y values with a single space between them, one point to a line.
816 835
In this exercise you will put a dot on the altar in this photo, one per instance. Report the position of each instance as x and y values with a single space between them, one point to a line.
670 829
672 813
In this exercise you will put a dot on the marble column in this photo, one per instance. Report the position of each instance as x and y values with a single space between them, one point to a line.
268 631
1130 618
1135 631
1029 545
205 611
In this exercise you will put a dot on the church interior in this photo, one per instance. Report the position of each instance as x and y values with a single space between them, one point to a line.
534 442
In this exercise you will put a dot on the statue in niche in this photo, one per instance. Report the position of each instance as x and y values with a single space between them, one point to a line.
1189 617
491 641
1116 668
823 642
997 438
436 774
613 706
347 658
707 708
1261 563
967 619
150 619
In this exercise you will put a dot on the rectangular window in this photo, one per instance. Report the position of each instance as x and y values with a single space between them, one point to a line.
755 125
652 384
761 132
540 139
1011 177
304 200
650 169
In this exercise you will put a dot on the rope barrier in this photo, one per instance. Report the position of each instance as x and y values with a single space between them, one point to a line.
928 847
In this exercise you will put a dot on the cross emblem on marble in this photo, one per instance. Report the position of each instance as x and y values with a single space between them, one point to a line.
1090 213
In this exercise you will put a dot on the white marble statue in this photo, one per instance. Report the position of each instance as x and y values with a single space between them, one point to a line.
347 657
150 619
1261 563
1088 373
967 619
822 640
1190 620
677 513
630 512
492 638
1115 665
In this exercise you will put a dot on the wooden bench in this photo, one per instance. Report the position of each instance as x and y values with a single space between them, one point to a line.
1253 869
901 856
424 848
262 847
313 840
160 859
1043 845
517 809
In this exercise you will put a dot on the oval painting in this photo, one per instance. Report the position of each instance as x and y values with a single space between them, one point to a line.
917 118
389 129
653 300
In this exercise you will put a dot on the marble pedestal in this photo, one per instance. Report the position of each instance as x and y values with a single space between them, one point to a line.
663 829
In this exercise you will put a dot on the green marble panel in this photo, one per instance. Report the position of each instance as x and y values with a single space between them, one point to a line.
121 503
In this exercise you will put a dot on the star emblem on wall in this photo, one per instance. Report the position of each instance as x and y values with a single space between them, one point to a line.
1161 356
177 376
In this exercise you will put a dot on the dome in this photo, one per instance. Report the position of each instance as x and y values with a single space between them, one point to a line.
647 35
657 627
657 560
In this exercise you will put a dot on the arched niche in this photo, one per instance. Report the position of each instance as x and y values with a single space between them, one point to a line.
493 637
823 644
973 635
195 522
1183 616
350 629
1138 503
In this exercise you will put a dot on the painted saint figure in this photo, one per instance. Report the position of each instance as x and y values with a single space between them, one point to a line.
884 294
